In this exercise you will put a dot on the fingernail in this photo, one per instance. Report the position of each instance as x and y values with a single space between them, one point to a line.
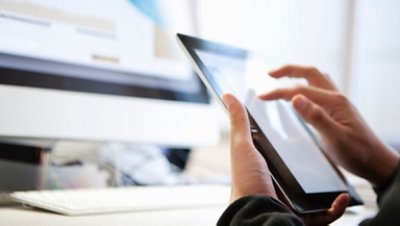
300 103
272 71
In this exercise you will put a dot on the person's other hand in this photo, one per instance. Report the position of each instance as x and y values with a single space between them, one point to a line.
348 139
250 173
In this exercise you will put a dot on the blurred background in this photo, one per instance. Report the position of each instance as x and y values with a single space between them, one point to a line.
355 42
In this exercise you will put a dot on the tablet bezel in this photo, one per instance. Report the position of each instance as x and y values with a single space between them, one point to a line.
284 180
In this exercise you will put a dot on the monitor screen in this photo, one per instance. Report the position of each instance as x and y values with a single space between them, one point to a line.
106 46
99 70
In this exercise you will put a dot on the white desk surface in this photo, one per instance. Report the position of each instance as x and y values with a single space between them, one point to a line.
21 216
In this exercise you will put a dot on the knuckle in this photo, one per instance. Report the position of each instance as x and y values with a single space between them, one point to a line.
326 75
236 118
314 71
281 92
316 114
290 67
241 142
299 89
341 99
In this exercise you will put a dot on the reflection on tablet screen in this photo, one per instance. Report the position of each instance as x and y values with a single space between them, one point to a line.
245 78
294 145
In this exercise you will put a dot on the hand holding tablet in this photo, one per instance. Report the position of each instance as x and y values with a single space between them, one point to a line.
250 174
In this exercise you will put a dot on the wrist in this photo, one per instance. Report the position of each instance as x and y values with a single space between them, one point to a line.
386 166
238 192
381 189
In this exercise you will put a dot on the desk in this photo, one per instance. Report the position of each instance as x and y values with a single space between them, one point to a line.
22 216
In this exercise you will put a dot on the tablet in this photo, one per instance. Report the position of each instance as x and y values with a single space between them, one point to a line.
303 175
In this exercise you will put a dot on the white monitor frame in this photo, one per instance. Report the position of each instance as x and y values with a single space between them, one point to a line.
54 114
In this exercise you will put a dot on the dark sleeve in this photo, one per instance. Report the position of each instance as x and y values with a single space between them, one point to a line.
258 210
389 204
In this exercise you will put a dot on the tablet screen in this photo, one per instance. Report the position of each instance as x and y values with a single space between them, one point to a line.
245 76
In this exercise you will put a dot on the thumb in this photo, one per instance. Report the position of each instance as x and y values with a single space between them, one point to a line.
240 125
313 114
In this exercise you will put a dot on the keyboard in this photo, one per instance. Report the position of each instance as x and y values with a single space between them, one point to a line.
123 199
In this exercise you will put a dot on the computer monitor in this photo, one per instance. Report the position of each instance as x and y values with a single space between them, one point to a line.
96 70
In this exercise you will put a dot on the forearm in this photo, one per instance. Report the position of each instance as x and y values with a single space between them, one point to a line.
258 210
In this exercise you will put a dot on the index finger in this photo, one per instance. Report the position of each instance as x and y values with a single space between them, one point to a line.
313 76
322 97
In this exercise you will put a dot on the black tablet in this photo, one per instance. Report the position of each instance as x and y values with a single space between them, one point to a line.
302 173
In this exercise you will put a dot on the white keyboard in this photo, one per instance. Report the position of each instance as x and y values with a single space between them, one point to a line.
97 201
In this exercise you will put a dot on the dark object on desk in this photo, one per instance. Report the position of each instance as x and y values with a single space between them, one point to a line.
20 167
177 156
21 153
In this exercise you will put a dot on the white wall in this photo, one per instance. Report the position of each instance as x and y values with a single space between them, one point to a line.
376 74
309 32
